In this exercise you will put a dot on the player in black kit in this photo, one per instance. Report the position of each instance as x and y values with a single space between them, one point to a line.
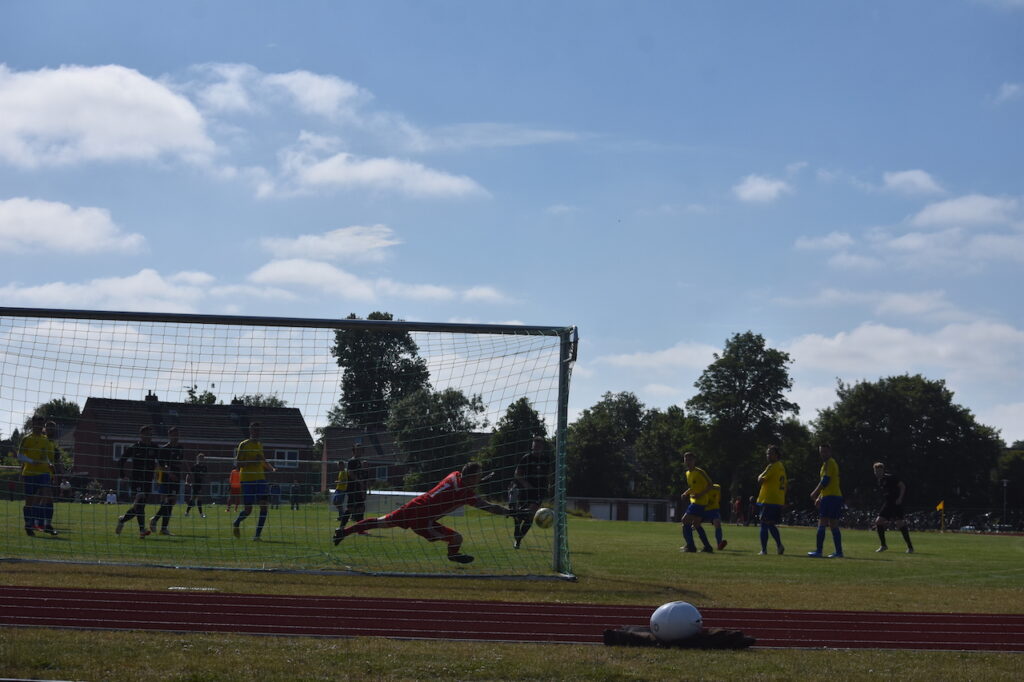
197 479
893 491
143 456
168 476
529 485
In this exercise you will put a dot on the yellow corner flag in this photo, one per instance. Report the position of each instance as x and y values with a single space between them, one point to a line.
940 506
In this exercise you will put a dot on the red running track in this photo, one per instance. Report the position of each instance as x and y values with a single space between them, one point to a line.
191 611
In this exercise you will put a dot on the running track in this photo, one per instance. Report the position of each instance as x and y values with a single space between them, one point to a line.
187 611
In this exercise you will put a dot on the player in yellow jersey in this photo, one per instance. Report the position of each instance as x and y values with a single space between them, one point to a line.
713 514
698 488
771 497
828 497
252 467
338 501
36 456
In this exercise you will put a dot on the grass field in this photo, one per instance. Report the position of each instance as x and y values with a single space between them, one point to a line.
623 563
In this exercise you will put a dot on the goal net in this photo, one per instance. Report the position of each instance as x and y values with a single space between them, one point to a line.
148 415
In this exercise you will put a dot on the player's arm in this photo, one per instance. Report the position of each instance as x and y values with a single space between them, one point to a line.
490 508
903 491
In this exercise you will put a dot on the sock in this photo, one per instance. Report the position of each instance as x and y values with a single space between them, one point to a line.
837 538
263 519
242 515
821 537
764 537
881 535
27 513
166 512
48 514
703 536
906 536
718 535
688 536
775 535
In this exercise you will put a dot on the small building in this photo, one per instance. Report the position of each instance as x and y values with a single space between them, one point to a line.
107 426
620 509
381 456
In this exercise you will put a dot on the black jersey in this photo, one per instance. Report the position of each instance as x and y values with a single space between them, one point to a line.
140 459
357 481
198 473
889 488
172 460
532 470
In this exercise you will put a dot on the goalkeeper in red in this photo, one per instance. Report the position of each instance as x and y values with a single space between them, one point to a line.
421 513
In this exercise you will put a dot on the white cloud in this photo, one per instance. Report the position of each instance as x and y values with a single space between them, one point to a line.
118 114
973 209
997 247
487 135
852 261
975 351
758 188
36 225
356 242
305 170
193 277
146 290
484 294
660 391
337 282
230 94
1010 91
327 96
688 355
911 182
933 305
830 242
1011 414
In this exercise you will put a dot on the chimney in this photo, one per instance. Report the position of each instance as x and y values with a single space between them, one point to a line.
151 397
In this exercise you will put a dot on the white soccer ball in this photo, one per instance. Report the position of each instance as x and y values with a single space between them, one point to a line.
544 517
676 620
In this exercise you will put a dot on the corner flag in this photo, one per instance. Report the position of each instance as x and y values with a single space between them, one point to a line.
940 506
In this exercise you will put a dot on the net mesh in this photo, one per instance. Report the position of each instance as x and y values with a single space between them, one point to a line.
411 403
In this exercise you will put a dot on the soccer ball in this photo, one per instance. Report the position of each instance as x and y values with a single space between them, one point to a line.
676 620
544 517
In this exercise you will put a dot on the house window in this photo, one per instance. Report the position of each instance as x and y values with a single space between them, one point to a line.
382 473
286 459
119 449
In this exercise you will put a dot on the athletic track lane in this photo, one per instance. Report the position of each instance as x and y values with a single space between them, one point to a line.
189 611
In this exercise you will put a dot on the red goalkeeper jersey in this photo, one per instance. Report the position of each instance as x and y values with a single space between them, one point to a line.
443 498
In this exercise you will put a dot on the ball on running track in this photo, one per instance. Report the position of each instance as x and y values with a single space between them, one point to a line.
676 620
544 517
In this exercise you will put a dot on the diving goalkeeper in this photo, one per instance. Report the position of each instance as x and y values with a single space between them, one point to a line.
421 513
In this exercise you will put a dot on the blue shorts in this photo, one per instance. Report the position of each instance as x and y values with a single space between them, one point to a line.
711 514
831 507
253 492
166 488
696 509
771 513
339 499
35 484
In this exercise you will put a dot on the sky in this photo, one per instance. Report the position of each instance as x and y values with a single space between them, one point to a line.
845 179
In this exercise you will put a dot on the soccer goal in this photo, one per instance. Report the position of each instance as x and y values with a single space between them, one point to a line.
149 414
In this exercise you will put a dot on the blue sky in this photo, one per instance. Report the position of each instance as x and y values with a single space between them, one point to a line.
846 179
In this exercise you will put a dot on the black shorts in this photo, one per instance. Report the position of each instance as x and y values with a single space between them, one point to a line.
521 498
891 511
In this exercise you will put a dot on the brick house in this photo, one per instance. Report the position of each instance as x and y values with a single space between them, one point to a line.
107 426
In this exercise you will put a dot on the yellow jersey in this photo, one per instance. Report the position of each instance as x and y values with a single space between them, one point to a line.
342 483
773 485
251 463
714 498
697 480
831 469
36 455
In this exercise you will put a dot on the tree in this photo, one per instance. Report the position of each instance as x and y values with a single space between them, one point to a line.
912 425
512 438
741 403
380 368
204 398
58 408
434 431
601 447
259 400
663 438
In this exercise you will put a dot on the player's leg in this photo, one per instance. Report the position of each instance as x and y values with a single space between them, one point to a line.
837 538
901 524
435 532
689 545
819 537
249 498
880 525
